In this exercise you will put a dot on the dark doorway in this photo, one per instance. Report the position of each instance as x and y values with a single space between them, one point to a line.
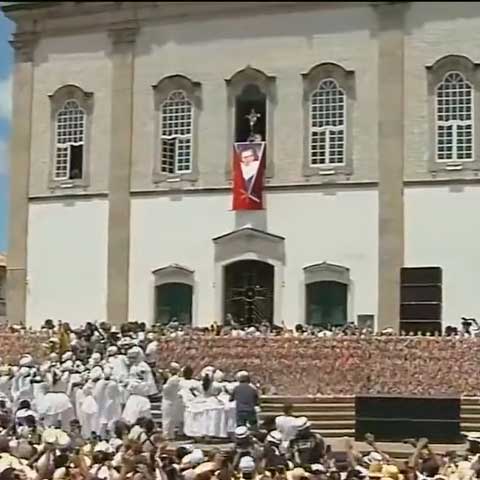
326 304
249 290
251 98
173 302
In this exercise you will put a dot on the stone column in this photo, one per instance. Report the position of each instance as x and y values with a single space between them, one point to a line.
123 60
390 161
20 148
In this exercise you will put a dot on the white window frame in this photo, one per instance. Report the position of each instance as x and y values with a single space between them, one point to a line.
176 137
328 129
455 123
67 145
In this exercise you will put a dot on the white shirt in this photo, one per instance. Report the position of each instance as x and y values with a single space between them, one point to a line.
287 426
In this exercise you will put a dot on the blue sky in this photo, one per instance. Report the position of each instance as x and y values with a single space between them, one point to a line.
6 60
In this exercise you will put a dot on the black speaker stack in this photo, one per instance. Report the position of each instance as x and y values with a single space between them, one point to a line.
421 300
393 419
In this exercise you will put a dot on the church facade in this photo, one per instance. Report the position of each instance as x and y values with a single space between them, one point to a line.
124 120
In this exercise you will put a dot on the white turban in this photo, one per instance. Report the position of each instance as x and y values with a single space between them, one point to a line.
96 374
207 371
67 356
219 376
112 350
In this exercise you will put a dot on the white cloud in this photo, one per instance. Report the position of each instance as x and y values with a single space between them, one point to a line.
6 97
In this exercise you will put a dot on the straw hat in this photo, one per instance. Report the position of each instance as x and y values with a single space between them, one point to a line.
297 474
241 433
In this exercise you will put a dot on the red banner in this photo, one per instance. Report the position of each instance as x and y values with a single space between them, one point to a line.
248 173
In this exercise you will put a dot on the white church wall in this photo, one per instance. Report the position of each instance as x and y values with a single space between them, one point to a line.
339 228
442 228
283 45
67 261
81 60
434 30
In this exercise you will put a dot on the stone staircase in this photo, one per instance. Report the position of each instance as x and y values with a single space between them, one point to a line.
470 414
334 419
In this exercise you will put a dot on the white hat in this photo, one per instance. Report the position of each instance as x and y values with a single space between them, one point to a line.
274 437
473 437
112 350
241 432
318 467
49 436
134 352
67 356
26 361
247 465
372 457
96 357
242 374
79 366
207 371
219 376
53 357
302 423
174 366
96 373
103 447
67 366
195 458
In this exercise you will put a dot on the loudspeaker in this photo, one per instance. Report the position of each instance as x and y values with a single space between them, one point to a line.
421 299
393 419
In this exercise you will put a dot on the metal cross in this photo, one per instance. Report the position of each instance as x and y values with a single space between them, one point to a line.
253 116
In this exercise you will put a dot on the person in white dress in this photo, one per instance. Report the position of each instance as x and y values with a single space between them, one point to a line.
225 395
111 408
286 424
172 403
87 407
138 405
22 387
136 363
55 406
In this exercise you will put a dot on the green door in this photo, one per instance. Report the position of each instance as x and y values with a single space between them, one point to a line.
173 301
326 304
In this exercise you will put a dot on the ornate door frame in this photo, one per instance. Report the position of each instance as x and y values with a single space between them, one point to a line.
249 244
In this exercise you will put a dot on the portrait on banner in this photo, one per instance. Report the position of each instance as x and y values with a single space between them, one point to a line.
249 158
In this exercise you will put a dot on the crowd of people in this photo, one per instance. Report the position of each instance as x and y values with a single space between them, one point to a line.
78 405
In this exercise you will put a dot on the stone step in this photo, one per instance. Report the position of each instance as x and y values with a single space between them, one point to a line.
336 432
470 401
319 415
469 427
309 407
467 409
302 399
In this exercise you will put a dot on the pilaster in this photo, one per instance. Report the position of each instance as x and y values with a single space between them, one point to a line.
391 160
20 147
123 38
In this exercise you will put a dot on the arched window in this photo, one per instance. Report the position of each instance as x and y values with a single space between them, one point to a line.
176 134
71 116
327 124
178 106
454 110
454 115
70 141
328 103
251 90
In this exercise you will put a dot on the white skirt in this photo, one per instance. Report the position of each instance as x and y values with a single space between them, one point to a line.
136 407
54 403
